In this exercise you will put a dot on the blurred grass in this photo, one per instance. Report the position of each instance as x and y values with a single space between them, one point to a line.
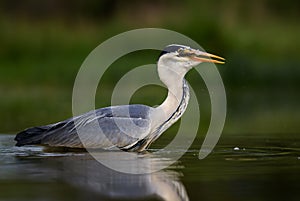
40 56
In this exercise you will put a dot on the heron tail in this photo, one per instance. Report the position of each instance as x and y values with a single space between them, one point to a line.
31 136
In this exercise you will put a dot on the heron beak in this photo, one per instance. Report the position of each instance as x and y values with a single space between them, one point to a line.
207 57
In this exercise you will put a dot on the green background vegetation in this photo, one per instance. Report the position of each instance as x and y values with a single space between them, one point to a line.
43 43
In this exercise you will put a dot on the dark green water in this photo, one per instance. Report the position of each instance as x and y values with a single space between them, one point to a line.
248 170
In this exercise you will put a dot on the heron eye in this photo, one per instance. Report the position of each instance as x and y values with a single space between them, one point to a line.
181 52
184 53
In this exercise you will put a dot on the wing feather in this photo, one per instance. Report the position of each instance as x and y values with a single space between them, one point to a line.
118 126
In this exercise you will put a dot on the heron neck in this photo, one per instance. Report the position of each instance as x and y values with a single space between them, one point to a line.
174 83
170 110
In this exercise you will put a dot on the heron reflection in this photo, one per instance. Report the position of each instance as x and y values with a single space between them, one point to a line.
87 176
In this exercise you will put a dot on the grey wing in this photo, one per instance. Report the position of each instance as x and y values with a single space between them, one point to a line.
118 126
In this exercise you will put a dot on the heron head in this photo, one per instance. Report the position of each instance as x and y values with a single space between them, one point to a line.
184 56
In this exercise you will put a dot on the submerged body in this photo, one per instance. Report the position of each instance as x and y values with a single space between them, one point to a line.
127 127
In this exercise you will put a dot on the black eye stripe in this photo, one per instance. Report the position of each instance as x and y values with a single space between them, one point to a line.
171 48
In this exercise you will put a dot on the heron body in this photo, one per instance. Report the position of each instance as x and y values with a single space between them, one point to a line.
127 127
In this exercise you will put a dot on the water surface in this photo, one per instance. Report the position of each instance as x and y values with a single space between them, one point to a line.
248 170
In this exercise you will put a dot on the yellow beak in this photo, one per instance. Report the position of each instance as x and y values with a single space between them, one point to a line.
208 56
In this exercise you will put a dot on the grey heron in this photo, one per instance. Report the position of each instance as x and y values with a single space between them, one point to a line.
127 127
